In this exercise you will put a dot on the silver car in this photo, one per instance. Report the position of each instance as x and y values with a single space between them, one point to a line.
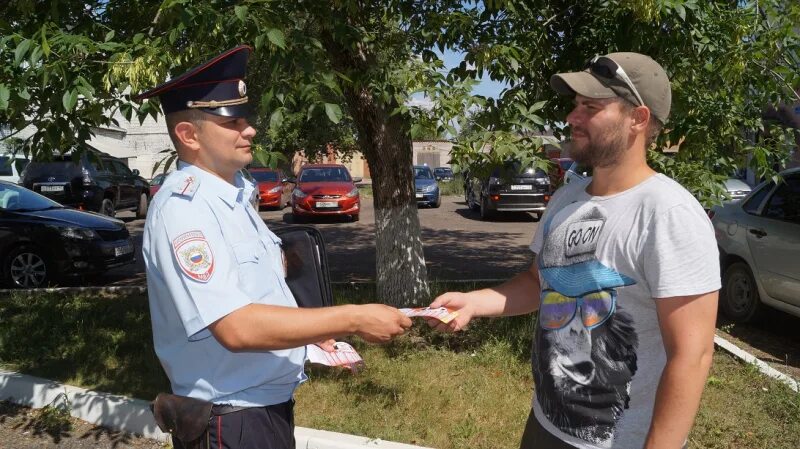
759 242
736 188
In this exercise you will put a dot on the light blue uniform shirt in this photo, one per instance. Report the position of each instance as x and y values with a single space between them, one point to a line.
207 254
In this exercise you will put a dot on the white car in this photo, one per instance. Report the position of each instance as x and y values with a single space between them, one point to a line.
759 242
11 166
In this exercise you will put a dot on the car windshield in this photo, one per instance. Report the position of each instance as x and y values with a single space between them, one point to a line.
17 198
422 173
443 171
265 176
565 164
327 174
513 169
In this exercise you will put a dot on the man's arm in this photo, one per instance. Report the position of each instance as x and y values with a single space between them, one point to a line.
265 327
517 296
687 329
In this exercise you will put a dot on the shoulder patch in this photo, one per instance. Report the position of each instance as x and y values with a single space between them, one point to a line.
194 255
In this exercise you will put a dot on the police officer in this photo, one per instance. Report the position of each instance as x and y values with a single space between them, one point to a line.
226 327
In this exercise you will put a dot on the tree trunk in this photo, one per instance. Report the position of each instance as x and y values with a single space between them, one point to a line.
386 144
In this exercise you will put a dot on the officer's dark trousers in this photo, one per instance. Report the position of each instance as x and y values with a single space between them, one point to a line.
270 427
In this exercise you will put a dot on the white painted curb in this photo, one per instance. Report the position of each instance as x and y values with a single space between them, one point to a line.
133 415
760 364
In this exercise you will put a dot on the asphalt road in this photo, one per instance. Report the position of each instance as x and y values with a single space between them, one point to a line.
457 244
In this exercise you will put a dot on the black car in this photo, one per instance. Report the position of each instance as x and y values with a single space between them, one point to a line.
443 174
89 180
509 188
42 241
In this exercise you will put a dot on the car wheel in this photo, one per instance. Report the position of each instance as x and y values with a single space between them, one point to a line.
26 267
472 202
486 214
107 208
739 299
298 219
355 217
438 202
141 211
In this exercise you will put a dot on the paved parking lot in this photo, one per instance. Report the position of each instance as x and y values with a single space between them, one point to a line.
458 245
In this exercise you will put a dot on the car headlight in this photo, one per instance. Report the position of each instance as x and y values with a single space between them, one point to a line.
541 181
429 188
353 193
76 233
298 193
276 189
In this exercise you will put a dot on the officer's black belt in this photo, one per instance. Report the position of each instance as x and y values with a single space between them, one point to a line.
224 409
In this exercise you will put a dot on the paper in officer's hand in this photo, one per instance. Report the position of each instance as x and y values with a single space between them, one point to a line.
442 314
343 355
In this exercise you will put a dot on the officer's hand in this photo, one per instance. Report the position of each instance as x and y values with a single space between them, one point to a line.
461 303
327 345
379 323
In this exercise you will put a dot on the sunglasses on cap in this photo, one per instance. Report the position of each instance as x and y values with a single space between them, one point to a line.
556 311
605 67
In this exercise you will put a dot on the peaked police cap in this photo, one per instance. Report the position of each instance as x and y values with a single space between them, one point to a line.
216 86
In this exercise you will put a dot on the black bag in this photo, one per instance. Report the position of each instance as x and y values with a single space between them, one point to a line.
306 265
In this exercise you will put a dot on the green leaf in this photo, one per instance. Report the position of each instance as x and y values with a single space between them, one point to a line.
276 37
5 93
538 105
45 44
334 112
21 50
24 94
681 12
109 35
276 118
259 41
86 92
69 100
241 12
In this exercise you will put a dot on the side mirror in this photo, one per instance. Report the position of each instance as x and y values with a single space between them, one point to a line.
292 180
357 180
135 172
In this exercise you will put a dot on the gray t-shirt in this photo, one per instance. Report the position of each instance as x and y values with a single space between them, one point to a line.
603 262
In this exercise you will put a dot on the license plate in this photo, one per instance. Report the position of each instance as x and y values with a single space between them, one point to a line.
327 204
52 188
419 195
522 187
122 250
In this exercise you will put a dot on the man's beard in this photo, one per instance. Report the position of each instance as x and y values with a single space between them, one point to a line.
602 150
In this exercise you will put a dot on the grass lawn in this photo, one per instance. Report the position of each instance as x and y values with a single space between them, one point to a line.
470 390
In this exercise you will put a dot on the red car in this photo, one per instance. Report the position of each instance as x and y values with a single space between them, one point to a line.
325 189
155 183
275 189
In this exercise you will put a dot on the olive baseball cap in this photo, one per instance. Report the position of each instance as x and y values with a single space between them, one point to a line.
602 79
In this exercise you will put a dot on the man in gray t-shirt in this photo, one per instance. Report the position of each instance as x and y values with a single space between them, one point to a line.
625 278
